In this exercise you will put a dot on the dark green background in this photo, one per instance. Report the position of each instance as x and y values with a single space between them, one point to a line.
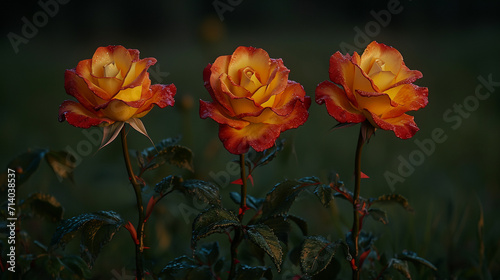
450 42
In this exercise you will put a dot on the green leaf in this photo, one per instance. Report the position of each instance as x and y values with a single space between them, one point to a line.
264 237
43 205
414 258
252 202
166 152
62 163
281 198
317 253
203 191
169 184
280 226
185 268
208 253
245 272
325 194
96 229
25 165
266 156
366 240
393 198
378 215
401 266
212 220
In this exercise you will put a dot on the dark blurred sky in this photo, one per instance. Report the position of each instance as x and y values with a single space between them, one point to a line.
81 21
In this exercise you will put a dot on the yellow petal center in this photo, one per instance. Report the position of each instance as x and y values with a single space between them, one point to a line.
249 80
378 66
111 71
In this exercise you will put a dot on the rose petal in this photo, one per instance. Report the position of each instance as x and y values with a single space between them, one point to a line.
392 60
232 89
219 114
337 104
242 106
118 110
389 56
258 136
77 87
284 103
295 118
383 80
249 80
403 126
129 94
83 70
257 59
409 97
79 116
212 74
342 72
362 81
119 55
278 79
375 102
138 72
162 96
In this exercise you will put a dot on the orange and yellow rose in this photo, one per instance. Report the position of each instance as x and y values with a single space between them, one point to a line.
253 100
113 86
377 87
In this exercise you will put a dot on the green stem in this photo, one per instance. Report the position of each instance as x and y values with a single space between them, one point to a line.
234 253
243 206
243 202
355 204
139 248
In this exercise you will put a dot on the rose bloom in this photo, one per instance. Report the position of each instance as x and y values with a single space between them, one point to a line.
376 87
113 86
253 100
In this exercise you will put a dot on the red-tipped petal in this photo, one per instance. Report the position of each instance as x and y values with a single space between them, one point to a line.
218 113
408 97
337 103
342 72
259 136
403 126
78 116
76 87
162 96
